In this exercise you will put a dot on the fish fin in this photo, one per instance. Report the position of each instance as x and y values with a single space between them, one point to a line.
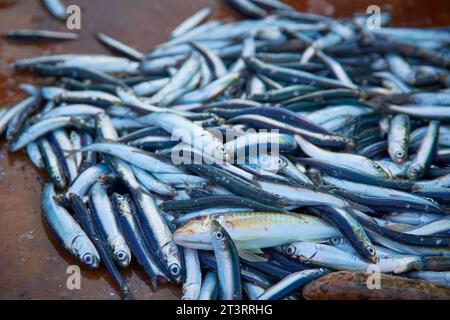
251 255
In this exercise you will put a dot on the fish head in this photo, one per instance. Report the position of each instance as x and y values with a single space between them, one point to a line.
399 156
272 163
58 179
414 171
122 204
122 255
219 235
371 253
86 252
172 255
304 251
195 234
380 171
336 241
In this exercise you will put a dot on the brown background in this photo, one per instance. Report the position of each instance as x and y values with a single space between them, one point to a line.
32 266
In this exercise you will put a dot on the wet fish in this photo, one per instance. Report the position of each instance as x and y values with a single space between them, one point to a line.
67 230
106 222
255 230
228 267
47 35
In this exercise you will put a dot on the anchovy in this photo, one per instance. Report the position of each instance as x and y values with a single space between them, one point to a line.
77 144
64 150
398 138
252 291
86 179
152 184
135 238
35 155
228 267
14 111
211 90
46 35
426 152
385 197
294 76
84 216
189 132
262 122
237 185
158 235
72 111
252 144
43 127
135 156
179 80
56 8
345 159
213 201
210 285
191 22
439 278
330 257
106 222
67 230
193 280
51 163
291 283
119 47
297 196
150 87
424 112
207 260
351 228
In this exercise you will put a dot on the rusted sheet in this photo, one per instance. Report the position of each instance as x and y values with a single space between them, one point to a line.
346 285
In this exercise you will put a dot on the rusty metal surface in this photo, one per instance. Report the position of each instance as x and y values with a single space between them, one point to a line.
344 285
32 266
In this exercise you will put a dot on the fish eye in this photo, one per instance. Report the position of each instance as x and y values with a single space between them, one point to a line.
290 250
121 255
336 240
88 259
221 149
175 269
219 235
371 250
279 161
399 154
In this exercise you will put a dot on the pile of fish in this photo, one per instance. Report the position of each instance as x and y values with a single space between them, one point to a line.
352 130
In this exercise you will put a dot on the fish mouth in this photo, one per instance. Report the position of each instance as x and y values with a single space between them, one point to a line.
185 243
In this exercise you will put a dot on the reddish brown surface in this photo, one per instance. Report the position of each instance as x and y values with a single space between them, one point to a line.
32 266
344 285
